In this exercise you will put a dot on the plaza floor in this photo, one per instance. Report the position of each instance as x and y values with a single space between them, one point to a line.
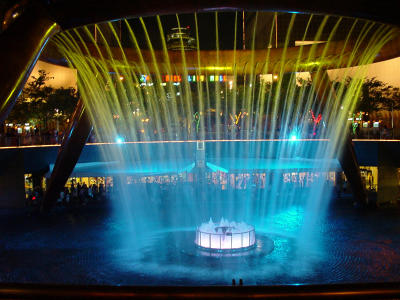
79 247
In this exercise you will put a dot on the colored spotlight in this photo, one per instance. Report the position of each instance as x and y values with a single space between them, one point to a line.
119 140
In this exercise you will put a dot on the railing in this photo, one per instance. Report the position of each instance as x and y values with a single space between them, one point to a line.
9 141
22 140
377 133
225 241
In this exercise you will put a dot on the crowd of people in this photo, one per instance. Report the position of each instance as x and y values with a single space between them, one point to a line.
11 137
70 197
81 194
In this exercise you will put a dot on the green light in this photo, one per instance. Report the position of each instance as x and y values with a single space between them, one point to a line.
214 68
49 32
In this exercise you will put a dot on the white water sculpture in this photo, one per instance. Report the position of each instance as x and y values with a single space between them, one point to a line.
225 235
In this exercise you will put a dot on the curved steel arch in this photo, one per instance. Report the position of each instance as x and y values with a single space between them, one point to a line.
72 13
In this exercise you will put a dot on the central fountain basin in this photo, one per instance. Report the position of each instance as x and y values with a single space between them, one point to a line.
225 235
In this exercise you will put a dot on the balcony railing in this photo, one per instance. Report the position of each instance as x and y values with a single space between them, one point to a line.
28 140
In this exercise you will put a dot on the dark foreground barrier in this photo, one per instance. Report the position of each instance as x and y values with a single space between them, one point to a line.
367 290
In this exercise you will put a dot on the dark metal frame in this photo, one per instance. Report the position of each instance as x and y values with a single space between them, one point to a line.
68 154
72 13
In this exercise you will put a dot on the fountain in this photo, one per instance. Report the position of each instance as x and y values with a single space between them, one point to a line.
212 133
225 235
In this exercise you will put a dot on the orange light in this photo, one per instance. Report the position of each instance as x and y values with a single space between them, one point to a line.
207 141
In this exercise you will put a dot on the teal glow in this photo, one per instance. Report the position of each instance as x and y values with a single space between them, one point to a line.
216 168
295 135
119 140
289 220
188 168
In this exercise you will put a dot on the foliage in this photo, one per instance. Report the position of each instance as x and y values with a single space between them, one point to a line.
376 95
64 100
40 104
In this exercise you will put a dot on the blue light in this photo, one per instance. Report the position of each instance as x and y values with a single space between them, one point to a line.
294 135
216 168
119 140
289 220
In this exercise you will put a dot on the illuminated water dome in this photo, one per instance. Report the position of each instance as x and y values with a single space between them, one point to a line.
225 235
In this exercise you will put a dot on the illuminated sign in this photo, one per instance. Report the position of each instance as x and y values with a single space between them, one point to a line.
190 78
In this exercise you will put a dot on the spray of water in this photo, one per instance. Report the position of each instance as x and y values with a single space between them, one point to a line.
265 163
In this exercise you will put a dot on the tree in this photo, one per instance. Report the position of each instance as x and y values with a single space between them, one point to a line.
29 105
377 95
40 104
63 100
390 99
